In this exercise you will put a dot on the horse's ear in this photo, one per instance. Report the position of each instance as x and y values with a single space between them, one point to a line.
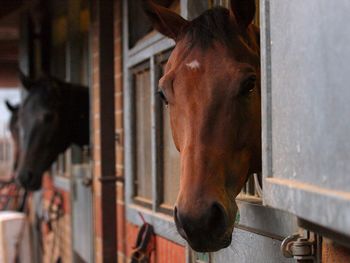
26 81
164 20
244 11
10 107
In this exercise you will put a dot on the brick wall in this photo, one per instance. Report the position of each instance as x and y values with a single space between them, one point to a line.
96 140
122 232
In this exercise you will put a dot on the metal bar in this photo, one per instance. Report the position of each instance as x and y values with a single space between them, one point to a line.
154 135
266 99
105 19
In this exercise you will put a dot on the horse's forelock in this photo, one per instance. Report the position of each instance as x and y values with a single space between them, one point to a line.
213 25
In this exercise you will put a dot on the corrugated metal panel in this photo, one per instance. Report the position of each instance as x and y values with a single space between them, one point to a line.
250 247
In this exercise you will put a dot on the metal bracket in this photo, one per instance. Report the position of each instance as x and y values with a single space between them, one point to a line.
300 248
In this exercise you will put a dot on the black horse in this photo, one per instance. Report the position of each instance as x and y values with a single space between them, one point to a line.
54 115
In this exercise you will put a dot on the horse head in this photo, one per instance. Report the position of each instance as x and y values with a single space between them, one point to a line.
53 115
211 85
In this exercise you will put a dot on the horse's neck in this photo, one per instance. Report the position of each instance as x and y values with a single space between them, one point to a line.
78 116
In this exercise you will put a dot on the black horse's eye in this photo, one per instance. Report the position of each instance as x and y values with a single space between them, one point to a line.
247 86
161 94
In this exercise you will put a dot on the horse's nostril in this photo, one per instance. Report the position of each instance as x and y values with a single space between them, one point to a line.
218 220
212 222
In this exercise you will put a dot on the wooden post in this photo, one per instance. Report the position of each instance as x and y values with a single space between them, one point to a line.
105 30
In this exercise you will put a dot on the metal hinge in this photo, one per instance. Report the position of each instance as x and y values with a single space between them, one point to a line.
302 249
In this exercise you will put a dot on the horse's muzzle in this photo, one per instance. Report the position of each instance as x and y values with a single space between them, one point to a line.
205 232
29 181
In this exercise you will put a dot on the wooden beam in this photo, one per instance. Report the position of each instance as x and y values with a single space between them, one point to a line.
9 75
108 178
9 6
9 51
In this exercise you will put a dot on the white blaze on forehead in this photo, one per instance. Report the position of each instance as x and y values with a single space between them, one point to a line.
193 65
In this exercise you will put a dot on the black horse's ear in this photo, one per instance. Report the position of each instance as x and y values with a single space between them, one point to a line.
10 107
244 11
26 81
164 20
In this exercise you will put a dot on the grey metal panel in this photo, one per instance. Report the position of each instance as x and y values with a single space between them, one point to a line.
310 96
266 88
319 205
82 211
305 98
266 221
248 247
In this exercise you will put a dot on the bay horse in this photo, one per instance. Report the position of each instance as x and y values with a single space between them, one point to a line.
53 116
211 84
13 127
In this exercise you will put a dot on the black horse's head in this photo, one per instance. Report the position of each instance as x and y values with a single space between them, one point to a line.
49 120
13 127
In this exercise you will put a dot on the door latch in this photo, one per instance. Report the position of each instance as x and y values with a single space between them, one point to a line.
300 248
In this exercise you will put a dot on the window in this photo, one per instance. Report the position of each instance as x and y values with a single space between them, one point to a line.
143 137
151 159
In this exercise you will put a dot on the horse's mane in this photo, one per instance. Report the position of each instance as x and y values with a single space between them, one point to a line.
213 25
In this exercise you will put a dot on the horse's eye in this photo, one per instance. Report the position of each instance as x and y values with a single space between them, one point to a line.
48 117
161 94
247 86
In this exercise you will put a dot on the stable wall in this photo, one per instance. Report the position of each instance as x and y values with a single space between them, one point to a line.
165 250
